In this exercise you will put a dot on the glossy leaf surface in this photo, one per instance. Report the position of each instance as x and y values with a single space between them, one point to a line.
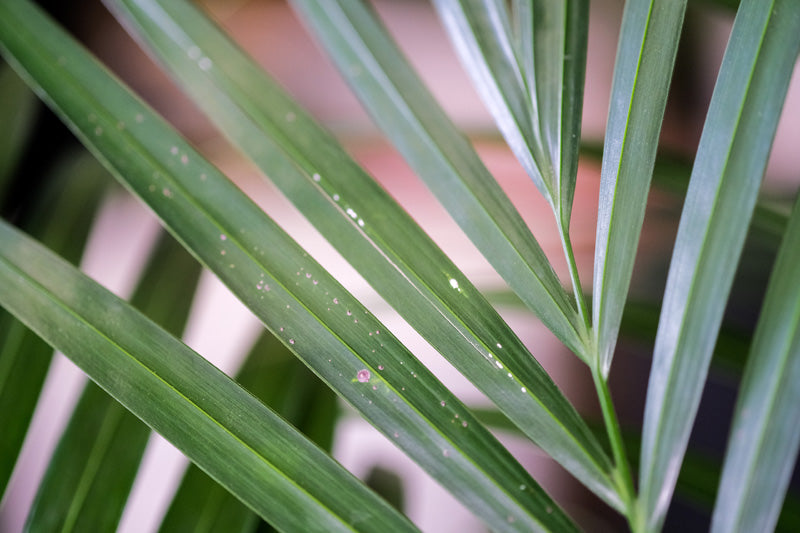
300 303
722 192
90 474
765 435
370 230
642 73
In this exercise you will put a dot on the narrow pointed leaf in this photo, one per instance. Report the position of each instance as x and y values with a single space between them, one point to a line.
723 189
24 360
204 413
408 114
481 34
62 220
552 40
370 230
645 58
522 81
294 297
283 383
90 475
765 435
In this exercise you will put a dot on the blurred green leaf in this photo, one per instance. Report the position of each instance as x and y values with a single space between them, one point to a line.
387 247
299 302
18 106
646 54
765 435
388 484
24 360
727 173
91 472
731 5
90 475
62 218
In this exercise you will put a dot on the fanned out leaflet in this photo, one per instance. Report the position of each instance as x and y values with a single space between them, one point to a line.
727 172
646 54
532 83
482 36
551 40
369 229
765 436
298 301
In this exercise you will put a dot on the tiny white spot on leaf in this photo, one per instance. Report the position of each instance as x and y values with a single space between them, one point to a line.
454 284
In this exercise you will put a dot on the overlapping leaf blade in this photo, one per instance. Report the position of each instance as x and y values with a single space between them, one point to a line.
481 34
533 85
244 445
276 377
369 229
647 48
300 302
765 435
529 70
404 109
731 159
90 474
